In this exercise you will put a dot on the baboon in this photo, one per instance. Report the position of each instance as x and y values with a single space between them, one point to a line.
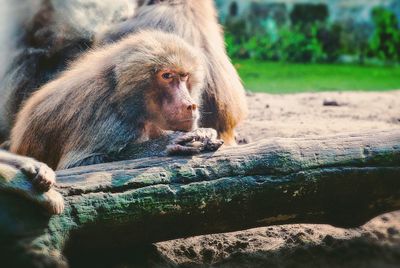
121 95
38 38
42 178
223 100
52 33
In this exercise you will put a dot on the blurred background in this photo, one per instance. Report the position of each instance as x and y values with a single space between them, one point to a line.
288 46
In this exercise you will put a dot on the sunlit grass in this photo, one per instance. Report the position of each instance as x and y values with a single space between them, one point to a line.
289 78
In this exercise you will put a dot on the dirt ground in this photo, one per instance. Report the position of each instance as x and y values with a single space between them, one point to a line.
376 244
305 114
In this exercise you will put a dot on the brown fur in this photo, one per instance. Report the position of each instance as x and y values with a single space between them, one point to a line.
224 104
98 106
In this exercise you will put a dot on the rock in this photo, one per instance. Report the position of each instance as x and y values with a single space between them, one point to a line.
329 102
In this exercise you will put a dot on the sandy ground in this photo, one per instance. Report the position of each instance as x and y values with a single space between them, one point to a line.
376 244
305 114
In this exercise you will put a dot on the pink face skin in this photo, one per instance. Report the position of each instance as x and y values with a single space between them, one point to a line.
178 110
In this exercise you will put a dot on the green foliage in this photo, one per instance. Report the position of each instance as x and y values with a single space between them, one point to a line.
261 48
300 46
292 44
385 42
234 47
354 39
234 42
330 40
303 14
311 38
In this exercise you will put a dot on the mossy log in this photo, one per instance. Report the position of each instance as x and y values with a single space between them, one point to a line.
343 180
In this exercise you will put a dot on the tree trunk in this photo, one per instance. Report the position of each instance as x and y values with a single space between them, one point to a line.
342 180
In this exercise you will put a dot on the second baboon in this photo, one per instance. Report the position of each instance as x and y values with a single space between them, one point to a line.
38 38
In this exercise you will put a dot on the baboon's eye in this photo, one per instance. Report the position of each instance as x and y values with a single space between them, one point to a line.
167 76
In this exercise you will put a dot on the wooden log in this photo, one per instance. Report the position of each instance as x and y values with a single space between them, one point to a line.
343 180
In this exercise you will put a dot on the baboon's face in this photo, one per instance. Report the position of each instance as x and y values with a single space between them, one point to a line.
178 109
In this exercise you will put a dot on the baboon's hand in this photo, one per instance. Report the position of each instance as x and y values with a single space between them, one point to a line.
195 142
43 177
53 201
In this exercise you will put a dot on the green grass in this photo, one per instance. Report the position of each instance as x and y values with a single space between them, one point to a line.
290 78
